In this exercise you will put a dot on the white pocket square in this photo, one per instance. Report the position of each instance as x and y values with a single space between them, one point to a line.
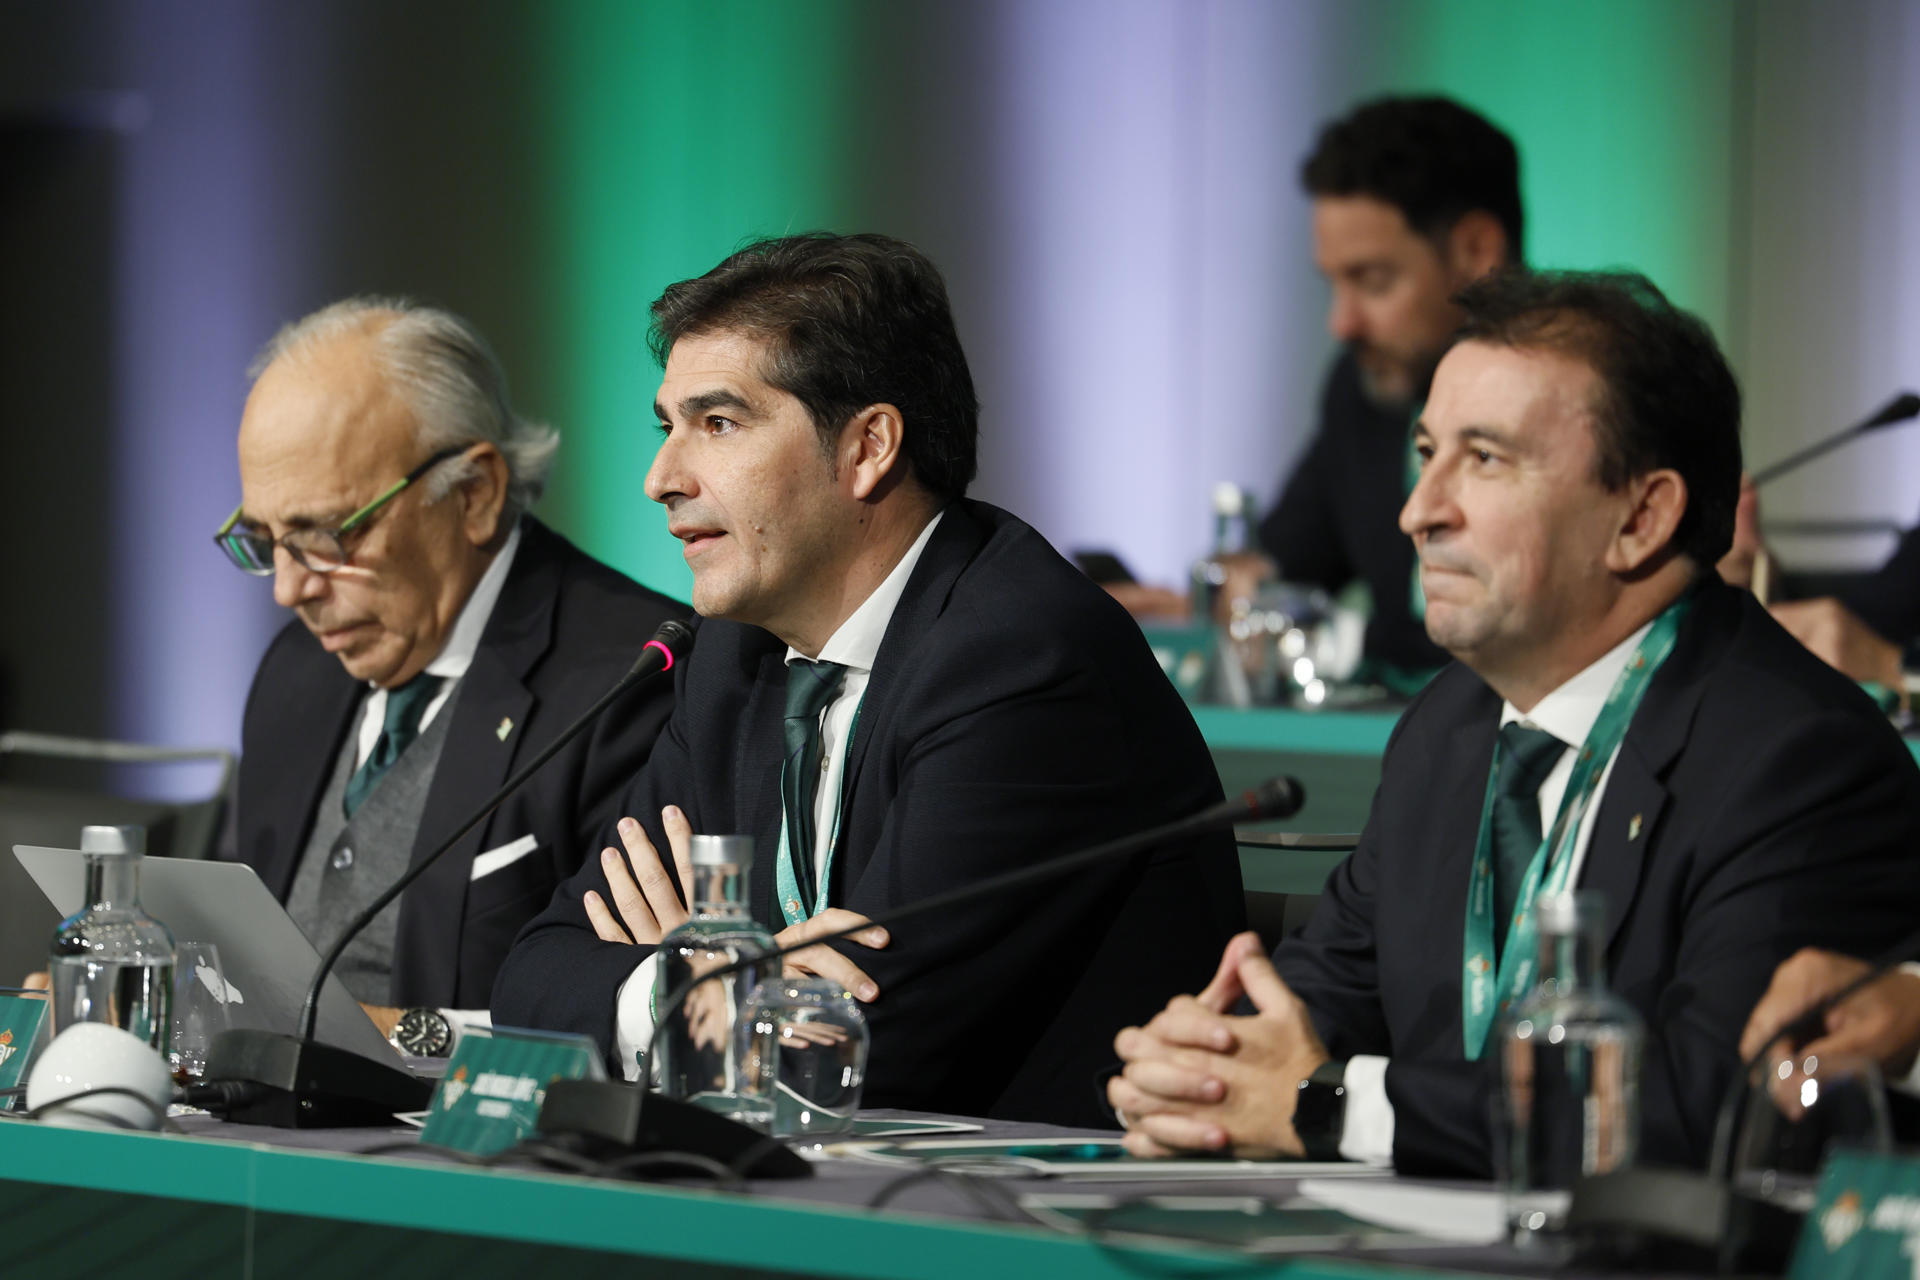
485 864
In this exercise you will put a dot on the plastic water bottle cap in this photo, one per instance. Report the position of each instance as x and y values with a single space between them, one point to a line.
716 851
113 840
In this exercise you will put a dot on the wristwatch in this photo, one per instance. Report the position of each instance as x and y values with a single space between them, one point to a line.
1320 1110
424 1033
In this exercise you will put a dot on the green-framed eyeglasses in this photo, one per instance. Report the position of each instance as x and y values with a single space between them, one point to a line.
317 550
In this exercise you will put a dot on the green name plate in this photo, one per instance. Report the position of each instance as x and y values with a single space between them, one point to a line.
490 1096
1865 1222
21 1017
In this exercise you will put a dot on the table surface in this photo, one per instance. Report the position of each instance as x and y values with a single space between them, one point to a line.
233 1200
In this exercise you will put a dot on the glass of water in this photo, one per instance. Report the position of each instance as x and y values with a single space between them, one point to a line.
805 1050
200 1007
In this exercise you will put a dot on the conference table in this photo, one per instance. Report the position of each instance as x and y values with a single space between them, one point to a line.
235 1201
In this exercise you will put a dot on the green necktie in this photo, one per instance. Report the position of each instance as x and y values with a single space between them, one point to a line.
1527 756
810 687
405 706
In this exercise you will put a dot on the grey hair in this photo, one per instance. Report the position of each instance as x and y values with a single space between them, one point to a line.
448 375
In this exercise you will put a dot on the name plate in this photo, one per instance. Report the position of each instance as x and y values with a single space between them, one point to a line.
21 1017
490 1097
1865 1222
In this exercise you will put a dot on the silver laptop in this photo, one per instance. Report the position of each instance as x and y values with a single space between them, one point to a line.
268 961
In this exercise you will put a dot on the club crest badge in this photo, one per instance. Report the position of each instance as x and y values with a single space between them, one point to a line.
1842 1220
453 1088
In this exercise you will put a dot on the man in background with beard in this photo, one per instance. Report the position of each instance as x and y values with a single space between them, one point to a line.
1413 200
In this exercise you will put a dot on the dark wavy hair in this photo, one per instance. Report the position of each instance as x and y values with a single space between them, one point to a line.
1430 158
1667 397
849 321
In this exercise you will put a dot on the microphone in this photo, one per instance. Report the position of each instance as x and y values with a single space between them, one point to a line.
295 1082
1902 407
610 1112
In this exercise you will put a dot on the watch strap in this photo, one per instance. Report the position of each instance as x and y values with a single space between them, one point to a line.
1320 1110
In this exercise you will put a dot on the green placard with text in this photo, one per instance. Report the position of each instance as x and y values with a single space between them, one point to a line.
490 1096
1865 1222
21 1017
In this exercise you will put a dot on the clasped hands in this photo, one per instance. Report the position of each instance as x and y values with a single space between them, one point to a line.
1198 1078
646 906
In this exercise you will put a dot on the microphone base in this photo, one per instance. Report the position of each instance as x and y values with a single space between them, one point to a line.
300 1084
610 1118
1678 1218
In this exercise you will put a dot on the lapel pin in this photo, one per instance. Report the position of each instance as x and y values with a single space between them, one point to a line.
506 727
1633 827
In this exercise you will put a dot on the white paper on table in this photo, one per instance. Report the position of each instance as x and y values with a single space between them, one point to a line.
1468 1215
990 1156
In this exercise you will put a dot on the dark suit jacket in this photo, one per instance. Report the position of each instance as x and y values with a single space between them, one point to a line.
1338 517
1014 713
1776 809
564 629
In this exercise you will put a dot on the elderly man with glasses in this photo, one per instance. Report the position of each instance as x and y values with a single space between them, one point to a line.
443 637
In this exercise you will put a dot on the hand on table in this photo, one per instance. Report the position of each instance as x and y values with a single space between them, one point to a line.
1200 1079
1145 601
384 1017
1838 637
40 981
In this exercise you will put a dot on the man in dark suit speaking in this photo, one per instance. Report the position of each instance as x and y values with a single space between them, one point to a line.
981 707
1580 464
442 636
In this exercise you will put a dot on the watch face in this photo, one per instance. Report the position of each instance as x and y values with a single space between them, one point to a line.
423 1033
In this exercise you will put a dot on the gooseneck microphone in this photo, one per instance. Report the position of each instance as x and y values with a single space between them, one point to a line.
618 1114
264 1077
1899 409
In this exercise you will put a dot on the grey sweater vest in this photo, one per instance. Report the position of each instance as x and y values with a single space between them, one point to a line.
348 862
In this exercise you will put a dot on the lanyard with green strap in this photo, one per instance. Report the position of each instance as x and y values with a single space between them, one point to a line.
1552 865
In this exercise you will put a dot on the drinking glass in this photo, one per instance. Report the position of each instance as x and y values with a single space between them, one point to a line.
1799 1108
806 1050
200 1007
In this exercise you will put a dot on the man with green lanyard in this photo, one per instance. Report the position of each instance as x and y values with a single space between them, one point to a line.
1618 719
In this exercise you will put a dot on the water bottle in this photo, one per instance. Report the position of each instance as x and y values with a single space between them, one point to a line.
1231 511
700 1051
1570 1059
111 962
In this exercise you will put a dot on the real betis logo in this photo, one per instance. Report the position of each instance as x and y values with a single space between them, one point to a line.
1479 969
452 1088
7 1047
1842 1220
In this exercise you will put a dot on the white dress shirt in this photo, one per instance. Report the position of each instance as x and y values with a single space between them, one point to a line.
854 645
455 656
1568 713
451 663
